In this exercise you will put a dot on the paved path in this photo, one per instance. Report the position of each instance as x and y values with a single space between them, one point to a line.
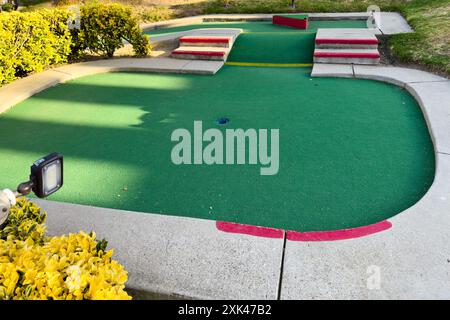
175 255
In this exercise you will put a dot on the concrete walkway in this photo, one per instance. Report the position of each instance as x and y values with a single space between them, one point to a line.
175 255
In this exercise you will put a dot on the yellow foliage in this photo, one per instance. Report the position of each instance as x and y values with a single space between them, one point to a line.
72 267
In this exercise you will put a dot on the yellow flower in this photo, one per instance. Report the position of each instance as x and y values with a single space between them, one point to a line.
33 266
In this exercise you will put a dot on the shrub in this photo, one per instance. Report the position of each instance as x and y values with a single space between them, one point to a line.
33 266
33 41
30 42
104 27
25 221
8 7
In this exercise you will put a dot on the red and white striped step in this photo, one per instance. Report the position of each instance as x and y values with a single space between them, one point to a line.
206 41
355 56
201 53
346 38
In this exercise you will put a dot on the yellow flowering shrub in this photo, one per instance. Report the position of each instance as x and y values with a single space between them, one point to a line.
73 267
25 220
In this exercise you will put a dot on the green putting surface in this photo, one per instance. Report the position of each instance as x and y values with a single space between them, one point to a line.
264 42
287 48
352 152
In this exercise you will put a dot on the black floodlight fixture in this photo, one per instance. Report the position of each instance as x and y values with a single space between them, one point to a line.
47 175
46 178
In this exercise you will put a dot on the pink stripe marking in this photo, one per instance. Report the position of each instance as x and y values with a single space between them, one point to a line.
205 40
347 41
346 55
249 230
335 235
339 234
200 53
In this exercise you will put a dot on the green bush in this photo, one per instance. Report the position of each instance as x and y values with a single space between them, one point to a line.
30 42
8 7
105 27
34 266
33 41
26 220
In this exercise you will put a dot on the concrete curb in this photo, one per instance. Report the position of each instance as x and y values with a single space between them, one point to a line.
177 256
24 88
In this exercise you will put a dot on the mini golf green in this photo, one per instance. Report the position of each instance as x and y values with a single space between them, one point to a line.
352 152
264 42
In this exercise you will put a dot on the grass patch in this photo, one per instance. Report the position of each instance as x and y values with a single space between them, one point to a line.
430 44
154 13
272 6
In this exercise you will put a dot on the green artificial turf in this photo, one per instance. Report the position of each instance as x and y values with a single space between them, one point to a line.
352 152
264 42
